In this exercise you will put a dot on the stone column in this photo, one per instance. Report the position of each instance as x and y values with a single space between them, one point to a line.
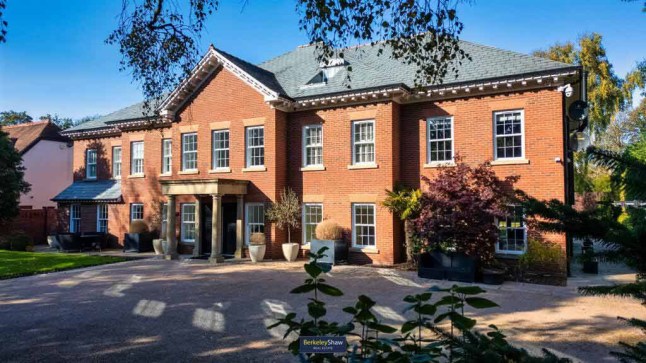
239 226
216 231
171 236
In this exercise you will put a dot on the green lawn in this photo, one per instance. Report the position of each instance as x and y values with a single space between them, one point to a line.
16 264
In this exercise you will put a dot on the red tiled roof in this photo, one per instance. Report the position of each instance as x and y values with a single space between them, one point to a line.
28 134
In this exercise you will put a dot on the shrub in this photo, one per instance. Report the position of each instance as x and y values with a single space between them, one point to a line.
328 230
458 208
541 254
138 226
257 238
17 241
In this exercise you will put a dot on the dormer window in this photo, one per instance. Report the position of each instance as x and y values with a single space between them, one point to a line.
320 78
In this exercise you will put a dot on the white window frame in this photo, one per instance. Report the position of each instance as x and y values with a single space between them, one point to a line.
102 218
249 148
75 218
307 146
525 230
306 223
438 140
90 161
355 225
355 143
192 152
215 159
164 220
522 135
132 211
116 162
135 159
185 222
167 156
248 224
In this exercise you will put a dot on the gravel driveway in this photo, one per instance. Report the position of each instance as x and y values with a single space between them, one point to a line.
155 310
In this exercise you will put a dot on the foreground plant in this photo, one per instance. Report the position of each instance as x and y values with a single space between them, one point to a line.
436 331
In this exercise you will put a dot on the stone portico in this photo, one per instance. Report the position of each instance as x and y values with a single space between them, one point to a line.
216 189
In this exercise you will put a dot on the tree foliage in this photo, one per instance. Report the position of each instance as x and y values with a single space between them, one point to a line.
458 209
424 33
12 117
158 39
286 212
608 94
12 182
3 23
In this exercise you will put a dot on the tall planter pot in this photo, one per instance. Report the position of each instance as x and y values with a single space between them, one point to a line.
257 252
157 245
290 251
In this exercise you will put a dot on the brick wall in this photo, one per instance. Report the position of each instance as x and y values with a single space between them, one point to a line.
224 101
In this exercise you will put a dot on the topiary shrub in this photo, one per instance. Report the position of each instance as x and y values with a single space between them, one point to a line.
257 238
138 226
328 230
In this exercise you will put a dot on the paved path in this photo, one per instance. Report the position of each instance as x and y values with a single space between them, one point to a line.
155 310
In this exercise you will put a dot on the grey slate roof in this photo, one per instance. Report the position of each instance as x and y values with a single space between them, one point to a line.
287 73
91 191
370 70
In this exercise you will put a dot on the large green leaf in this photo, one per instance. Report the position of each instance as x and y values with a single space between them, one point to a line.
329 290
461 321
408 326
469 290
316 310
480 303
303 289
448 300
427 309
313 270
382 328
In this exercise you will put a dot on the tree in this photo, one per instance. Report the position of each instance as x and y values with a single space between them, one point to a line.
458 209
12 182
286 212
404 203
11 117
158 39
3 23
607 93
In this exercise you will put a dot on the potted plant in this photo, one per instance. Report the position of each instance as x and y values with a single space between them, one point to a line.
329 234
257 247
590 262
493 273
285 213
138 239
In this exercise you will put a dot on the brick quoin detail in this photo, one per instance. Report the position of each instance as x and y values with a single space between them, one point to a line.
400 155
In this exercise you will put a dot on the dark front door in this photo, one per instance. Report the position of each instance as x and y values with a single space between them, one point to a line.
206 232
229 216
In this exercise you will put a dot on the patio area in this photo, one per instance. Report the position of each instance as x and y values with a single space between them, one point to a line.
193 311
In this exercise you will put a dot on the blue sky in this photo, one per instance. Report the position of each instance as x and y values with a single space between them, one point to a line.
55 60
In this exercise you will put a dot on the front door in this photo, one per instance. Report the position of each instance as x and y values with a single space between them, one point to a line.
229 217
206 232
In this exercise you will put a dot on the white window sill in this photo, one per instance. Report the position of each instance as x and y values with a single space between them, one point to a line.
90 179
363 166
116 178
306 246
517 161
313 168
367 250
254 169
439 164
509 254
189 242
165 175
188 172
220 170
136 176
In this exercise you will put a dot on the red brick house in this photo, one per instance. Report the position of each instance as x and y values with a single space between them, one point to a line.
234 134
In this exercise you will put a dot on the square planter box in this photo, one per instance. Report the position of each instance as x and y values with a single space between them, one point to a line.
337 250
138 242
